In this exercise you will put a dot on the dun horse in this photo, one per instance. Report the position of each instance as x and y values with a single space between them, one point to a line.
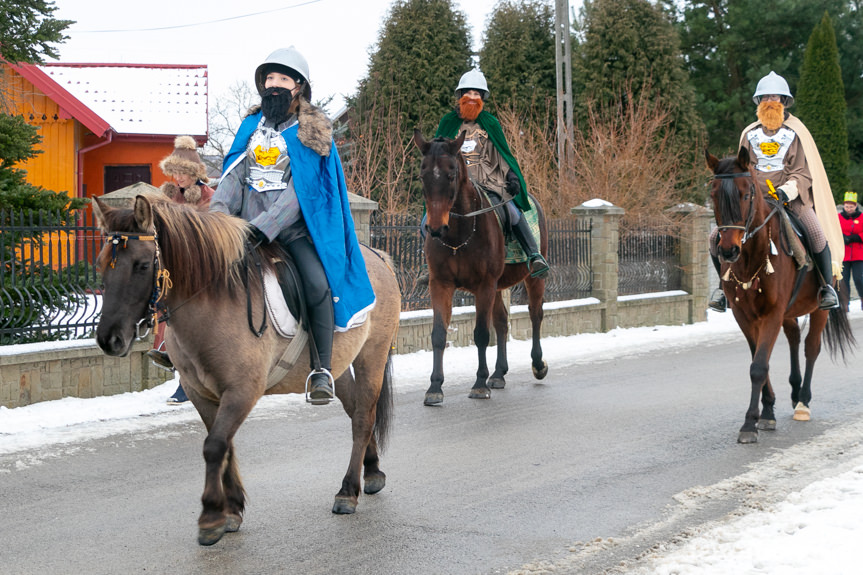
191 268
760 281
465 248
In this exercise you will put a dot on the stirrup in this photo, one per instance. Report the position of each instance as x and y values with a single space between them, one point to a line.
718 302
828 298
537 271
332 383
161 360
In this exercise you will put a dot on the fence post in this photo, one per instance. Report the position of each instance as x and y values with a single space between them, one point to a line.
604 241
361 211
694 257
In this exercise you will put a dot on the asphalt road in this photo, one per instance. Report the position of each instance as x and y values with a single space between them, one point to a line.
581 473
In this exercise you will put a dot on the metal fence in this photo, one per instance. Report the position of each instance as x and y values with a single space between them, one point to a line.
648 260
49 288
568 254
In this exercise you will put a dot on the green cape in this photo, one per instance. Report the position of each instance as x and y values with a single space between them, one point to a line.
449 128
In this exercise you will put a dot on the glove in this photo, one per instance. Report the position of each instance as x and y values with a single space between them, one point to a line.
257 237
788 191
513 186
847 239
856 239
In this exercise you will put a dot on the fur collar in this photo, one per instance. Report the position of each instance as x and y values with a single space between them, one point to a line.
315 130
192 194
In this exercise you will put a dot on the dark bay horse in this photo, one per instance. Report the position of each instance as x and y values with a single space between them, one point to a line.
191 267
468 252
759 278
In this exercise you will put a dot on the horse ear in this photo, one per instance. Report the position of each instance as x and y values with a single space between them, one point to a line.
143 213
101 210
420 142
712 161
456 144
743 158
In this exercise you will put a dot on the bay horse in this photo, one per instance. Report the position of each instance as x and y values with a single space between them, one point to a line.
193 265
760 278
467 250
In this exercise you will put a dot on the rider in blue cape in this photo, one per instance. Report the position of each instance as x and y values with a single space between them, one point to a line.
284 176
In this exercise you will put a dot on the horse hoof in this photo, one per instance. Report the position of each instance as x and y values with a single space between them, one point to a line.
747 437
344 505
496 382
433 398
480 393
211 535
233 522
801 412
374 484
766 424
542 372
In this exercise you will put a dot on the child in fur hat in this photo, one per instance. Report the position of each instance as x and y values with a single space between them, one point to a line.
189 173
189 186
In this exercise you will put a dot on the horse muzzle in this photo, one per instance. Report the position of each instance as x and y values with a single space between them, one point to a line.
729 255
114 342
437 232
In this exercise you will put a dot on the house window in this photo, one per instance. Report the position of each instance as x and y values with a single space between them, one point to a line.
117 177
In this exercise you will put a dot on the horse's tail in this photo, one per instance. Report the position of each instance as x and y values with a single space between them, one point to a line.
838 332
384 413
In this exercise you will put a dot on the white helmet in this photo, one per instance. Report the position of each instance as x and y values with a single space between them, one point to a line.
473 80
773 83
288 57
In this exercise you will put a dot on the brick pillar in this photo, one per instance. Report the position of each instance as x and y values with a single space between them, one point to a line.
361 211
694 257
604 241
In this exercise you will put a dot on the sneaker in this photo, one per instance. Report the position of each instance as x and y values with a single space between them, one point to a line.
178 397
160 359
320 387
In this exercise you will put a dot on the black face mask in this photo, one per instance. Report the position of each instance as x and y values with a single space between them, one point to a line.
275 103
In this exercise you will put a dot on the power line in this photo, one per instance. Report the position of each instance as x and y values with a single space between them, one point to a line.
196 23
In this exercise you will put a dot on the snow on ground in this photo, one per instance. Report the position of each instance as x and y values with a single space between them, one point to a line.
815 530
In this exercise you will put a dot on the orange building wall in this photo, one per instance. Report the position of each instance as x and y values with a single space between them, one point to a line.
54 171
124 154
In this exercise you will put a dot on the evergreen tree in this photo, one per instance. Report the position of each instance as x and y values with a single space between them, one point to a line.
630 49
821 104
423 48
517 56
28 30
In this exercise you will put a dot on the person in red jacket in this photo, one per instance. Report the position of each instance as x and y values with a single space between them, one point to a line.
852 232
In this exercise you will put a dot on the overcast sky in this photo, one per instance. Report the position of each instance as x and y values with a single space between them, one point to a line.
232 38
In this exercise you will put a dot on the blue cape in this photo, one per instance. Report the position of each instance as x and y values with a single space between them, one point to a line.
323 197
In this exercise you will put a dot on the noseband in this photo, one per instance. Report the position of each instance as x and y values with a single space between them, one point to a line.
161 281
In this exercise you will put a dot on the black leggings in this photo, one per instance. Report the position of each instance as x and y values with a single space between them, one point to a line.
319 300
853 269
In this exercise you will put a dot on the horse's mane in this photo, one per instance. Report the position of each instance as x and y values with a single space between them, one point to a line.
203 251
728 196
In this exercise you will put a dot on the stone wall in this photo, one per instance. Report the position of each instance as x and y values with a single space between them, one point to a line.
30 373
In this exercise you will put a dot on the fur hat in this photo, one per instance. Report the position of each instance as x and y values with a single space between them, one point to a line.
185 160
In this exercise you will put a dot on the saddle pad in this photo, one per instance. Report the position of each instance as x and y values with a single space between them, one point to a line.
280 315
797 249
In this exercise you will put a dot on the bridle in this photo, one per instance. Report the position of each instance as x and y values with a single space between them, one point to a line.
750 212
161 278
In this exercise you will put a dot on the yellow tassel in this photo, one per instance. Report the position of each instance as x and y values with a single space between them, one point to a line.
727 275
768 267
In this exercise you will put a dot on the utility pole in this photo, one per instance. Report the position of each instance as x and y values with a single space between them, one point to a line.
563 72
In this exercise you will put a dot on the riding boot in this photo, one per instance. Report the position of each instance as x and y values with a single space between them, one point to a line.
160 359
537 263
717 298
827 297
322 320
